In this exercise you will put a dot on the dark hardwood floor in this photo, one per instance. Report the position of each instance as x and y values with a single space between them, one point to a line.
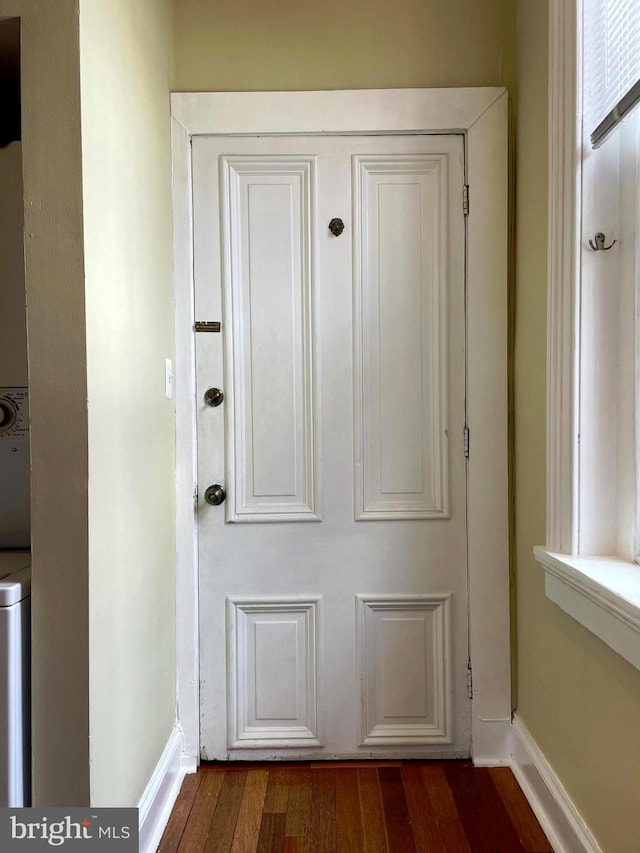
395 806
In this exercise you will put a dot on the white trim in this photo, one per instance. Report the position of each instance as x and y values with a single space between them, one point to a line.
187 629
559 818
157 801
482 115
602 593
381 111
487 505
492 740
562 326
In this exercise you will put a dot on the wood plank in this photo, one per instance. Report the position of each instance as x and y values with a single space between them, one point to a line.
399 830
190 786
299 806
323 811
444 808
174 830
484 817
348 817
245 838
297 845
210 785
522 817
223 824
425 826
336 765
277 797
196 831
271 838
245 766
374 832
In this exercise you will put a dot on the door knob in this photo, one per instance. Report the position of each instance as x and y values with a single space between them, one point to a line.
213 396
215 495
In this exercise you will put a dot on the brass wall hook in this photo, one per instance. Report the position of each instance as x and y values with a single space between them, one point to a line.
599 243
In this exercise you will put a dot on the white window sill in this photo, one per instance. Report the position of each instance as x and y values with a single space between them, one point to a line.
602 593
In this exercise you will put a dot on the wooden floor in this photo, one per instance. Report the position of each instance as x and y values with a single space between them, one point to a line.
352 806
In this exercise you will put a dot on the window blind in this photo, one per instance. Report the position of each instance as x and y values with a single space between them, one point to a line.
611 63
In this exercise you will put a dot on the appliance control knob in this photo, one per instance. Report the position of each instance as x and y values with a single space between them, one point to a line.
7 415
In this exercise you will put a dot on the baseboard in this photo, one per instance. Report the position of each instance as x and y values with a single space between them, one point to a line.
160 794
491 741
563 825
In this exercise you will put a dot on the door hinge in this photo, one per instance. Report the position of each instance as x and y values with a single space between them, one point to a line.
469 681
466 442
465 199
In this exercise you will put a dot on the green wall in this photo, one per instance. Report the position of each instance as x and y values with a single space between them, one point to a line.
232 45
579 700
125 68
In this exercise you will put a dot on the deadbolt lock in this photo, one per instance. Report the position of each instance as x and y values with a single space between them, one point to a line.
213 396
215 495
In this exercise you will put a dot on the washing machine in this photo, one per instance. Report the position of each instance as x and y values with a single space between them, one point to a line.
15 528
15 679
15 599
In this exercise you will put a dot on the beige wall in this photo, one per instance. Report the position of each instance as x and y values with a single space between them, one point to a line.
125 53
13 324
580 701
230 45
57 379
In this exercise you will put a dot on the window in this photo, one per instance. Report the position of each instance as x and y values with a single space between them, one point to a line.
592 515
611 64
607 305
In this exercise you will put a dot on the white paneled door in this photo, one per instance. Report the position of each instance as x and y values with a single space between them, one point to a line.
333 577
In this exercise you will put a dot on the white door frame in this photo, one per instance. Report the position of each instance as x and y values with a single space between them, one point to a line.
481 114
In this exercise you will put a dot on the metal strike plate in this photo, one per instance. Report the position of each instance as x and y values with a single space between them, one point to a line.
206 326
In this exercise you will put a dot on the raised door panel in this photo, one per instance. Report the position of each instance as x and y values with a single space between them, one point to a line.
404 662
269 291
272 671
401 244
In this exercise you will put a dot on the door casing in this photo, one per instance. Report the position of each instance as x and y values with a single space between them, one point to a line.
482 115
